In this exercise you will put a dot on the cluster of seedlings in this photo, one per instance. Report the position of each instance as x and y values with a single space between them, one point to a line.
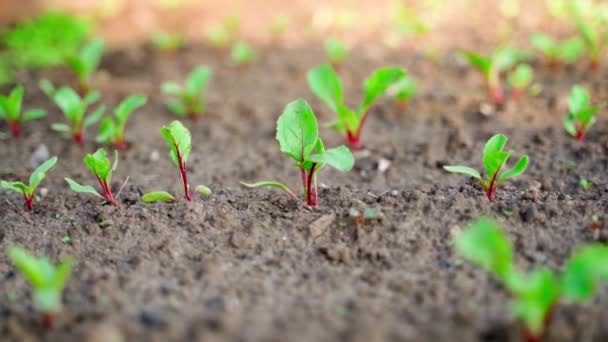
535 294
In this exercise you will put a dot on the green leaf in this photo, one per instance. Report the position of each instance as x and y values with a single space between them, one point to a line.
336 50
584 271
99 164
463 170
326 85
544 43
82 188
578 100
571 50
570 124
179 139
158 196
486 245
587 115
128 106
59 127
33 114
480 62
404 89
171 88
91 98
77 65
177 107
537 295
91 55
197 81
517 170
47 88
493 155
349 119
40 172
14 186
15 99
271 185
507 57
107 131
92 118
377 84
589 35
339 158
521 77
70 103
242 53
203 190
297 130
28 265
62 273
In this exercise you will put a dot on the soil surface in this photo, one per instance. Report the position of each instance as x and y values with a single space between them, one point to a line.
253 265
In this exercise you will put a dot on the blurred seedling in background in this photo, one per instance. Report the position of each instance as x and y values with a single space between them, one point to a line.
47 281
74 109
494 161
585 184
336 51
35 179
188 99
167 42
325 84
242 54
581 114
279 25
111 130
535 293
12 112
403 90
222 34
491 67
298 137
100 166
591 20
559 53
520 79
85 63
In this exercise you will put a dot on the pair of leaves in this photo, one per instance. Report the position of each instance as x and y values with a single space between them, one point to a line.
326 85
581 115
10 108
188 98
494 159
521 77
74 109
502 59
100 166
35 179
87 61
111 130
179 139
567 51
298 137
535 293
46 279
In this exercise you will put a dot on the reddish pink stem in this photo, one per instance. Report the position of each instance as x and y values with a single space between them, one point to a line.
120 144
15 128
309 187
48 320
497 95
518 93
107 192
594 65
29 201
78 138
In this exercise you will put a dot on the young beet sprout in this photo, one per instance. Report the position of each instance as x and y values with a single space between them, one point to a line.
112 131
74 109
11 111
520 79
100 166
559 53
494 160
35 179
179 139
298 137
86 63
189 99
581 115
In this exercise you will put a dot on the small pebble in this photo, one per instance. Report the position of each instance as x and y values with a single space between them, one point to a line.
154 156
39 156
153 318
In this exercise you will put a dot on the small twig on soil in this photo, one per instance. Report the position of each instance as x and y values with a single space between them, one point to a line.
379 195
122 187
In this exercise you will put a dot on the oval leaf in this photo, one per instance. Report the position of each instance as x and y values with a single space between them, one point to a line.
158 196
297 130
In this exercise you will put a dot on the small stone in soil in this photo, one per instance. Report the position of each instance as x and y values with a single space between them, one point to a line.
153 318
39 156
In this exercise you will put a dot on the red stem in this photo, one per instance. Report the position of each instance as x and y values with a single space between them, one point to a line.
497 94
48 320
309 186
554 64
107 192
78 137
353 139
184 175
492 188
594 65
120 144
15 128
580 133
29 201
518 93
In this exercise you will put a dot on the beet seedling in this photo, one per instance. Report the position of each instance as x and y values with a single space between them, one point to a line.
189 99
86 63
494 160
336 51
180 141
11 111
99 165
167 42
298 137
581 115
536 293
74 109
242 54
112 131
519 79
325 84
28 190
403 90
47 281
559 52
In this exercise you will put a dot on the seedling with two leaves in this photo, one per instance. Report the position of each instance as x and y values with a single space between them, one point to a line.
403 90
581 114
220 35
179 139
491 67
325 84
11 111
167 42
74 109
298 137
559 52
520 79
100 166
336 51
536 293
494 161
35 179
242 54
47 281
189 99
85 63
112 130
595 35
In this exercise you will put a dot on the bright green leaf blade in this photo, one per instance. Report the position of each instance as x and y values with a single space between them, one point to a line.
404 89
486 245
336 50
268 184
179 140
69 102
28 266
40 172
517 170
14 186
91 98
507 57
171 88
297 130
584 271
578 100
177 107
340 158
535 298
34 114
82 188
377 84
62 273
15 99
325 84
571 50
544 43
107 131
203 190
128 106
157 196
521 77
480 62
92 118
197 81
586 115
77 65
47 88
465 170
493 155
349 119
91 55
59 127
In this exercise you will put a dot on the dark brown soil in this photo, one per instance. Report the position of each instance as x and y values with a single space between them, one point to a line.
248 265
